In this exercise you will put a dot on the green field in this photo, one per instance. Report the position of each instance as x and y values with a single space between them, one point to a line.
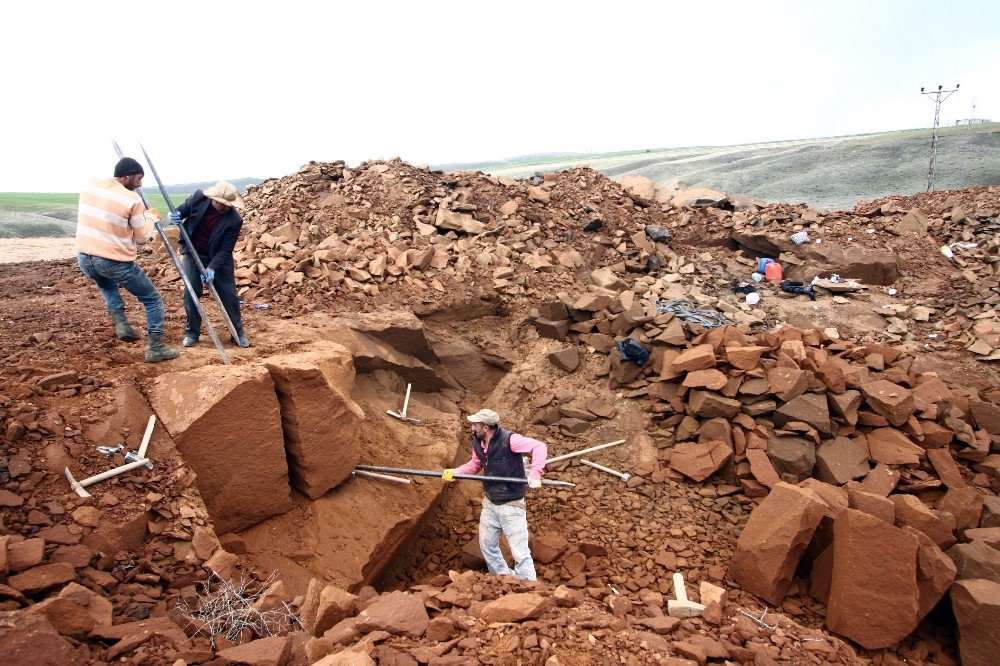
53 214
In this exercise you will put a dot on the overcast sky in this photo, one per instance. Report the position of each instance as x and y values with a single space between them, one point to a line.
221 90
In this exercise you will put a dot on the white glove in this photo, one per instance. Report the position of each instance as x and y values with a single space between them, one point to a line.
534 483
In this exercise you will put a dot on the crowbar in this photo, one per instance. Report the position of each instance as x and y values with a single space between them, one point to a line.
583 451
621 475
466 477
402 414
80 486
190 246
177 265
384 477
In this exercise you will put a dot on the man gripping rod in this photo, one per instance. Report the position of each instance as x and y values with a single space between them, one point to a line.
499 452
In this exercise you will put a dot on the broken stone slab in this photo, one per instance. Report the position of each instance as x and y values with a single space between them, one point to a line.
237 454
976 604
965 504
810 408
273 650
30 640
841 460
516 607
399 613
873 588
976 559
697 460
795 456
892 401
42 578
321 423
567 360
890 446
774 539
911 512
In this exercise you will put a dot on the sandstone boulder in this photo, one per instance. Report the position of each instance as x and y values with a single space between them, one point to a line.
911 512
890 446
976 560
271 651
226 422
809 408
873 587
976 604
29 640
320 421
774 539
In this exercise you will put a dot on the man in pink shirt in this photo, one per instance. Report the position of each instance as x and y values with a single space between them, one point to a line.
499 452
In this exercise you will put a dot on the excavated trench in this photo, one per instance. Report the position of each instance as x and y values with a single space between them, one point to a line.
273 443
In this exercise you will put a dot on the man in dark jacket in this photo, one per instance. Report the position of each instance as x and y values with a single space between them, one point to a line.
211 221
499 452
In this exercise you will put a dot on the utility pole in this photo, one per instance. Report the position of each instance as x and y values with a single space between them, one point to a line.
938 99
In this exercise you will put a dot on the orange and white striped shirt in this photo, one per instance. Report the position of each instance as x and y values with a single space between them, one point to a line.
110 221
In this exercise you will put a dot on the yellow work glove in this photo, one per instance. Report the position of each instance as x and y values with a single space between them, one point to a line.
534 483
448 475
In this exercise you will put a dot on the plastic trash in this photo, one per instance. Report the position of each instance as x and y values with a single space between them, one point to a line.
800 238
756 277
773 272
263 306
762 264
946 251
753 298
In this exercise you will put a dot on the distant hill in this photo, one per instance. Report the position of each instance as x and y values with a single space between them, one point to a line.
535 158
833 172
188 188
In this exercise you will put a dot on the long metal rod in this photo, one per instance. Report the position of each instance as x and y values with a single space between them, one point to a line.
190 246
583 451
621 475
466 477
180 270
384 477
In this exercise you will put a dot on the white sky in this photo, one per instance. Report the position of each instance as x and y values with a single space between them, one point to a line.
221 90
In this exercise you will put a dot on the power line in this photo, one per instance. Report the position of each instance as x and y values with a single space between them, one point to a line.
902 42
938 99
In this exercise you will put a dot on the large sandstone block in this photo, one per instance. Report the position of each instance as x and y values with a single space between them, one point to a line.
774 539
892 401
30 640
226 422
977 610
873 587
321 423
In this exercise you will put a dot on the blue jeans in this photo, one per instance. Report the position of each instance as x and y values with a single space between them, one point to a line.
109 275
511 520
224 285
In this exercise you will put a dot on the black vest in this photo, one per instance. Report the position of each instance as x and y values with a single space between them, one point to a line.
501 461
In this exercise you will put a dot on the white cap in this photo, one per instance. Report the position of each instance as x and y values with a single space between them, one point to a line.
487 416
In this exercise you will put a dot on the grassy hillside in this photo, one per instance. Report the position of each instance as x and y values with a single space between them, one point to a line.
827 173
52 214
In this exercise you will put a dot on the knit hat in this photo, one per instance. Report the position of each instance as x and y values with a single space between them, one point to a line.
128 167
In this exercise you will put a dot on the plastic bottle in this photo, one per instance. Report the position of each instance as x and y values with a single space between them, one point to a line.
773 272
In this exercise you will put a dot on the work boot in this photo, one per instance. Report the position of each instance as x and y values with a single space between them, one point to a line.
242 341
123 329
157 351
190 340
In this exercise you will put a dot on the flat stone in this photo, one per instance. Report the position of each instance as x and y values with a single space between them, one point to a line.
795 456
841 460
697 460
516 607
890 446
911 512
41 578
810 408
699 357
892 401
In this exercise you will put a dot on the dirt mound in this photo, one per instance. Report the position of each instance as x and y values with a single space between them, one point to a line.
516 294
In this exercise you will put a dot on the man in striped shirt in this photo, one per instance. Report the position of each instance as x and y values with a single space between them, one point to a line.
111 220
